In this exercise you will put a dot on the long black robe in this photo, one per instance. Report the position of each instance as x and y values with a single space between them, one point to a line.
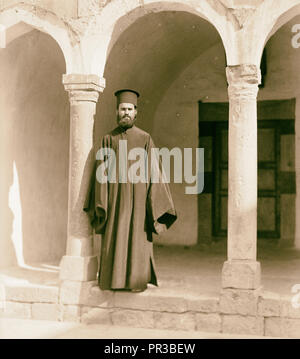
126 214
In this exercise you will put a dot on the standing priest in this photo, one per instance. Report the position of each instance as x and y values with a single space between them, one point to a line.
125 211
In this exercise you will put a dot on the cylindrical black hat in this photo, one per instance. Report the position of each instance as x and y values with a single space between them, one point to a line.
127 96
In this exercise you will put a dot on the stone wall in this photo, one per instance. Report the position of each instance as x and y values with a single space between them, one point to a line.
234 312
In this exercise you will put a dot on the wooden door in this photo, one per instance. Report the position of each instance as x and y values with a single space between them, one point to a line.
268 206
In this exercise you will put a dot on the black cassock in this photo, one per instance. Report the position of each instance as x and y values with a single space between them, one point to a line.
126 214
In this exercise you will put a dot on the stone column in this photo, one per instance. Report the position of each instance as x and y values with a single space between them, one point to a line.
80 263
241 270
297 168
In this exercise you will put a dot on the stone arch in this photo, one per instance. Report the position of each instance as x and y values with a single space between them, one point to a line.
20 19
283 18
273 19
116 18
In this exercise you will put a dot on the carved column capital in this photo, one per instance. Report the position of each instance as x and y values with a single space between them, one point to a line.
243 81
83 87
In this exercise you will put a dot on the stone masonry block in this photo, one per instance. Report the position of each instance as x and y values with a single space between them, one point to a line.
86 293
32 294
100 298
133 318
269 305
94 315
241 274
71 313
274 327
78 268
208 322
16 310
203 304
290 309
175 321
46 311
237 324
239 301
75 292
149 301
282 327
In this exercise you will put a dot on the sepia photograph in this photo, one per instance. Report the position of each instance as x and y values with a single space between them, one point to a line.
150 172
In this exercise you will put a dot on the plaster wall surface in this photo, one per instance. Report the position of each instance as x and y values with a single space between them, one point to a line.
34 111
203 80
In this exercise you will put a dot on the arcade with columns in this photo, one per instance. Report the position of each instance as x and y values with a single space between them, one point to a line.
100 46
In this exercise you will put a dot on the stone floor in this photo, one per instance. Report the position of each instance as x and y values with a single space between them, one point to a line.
200 268
40 329
196 270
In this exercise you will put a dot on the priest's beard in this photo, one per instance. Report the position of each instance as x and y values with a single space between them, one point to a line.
126 121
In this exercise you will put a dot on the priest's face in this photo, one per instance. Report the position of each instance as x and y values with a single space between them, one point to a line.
126 115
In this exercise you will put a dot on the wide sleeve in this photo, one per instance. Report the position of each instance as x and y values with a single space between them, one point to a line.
161 213
96 201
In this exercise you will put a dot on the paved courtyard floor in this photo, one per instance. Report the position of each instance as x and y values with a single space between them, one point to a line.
195 269
38 329
199 268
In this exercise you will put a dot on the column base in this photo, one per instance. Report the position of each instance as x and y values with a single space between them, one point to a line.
241 274
240 301
83 269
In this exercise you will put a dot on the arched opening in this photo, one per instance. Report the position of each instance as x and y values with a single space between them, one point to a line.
174 59
278 158
34 155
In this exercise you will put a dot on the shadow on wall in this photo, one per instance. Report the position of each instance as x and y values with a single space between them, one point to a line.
34 151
